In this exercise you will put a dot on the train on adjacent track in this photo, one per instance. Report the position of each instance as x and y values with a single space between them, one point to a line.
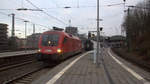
58 45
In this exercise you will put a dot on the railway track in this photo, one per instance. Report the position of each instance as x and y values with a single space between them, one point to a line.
30 77
14 67
13 72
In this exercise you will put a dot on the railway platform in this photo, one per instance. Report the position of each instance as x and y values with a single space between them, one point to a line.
81 70
17 53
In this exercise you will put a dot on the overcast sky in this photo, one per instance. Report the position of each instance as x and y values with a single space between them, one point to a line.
82 14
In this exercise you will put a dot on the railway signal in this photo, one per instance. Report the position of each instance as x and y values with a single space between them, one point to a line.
101 28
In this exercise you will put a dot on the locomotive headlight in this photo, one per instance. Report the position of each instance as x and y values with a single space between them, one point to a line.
39 50
49 42
59 50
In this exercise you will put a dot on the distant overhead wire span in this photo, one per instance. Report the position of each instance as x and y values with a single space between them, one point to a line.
46 12
86 6
24 20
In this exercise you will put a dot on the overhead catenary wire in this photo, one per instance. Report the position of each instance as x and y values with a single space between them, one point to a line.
62 7
18 18
46 12
81 6
38 9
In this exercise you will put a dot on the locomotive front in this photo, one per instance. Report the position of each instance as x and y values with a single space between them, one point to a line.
49 46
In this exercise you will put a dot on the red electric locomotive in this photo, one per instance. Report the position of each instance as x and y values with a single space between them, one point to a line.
57 45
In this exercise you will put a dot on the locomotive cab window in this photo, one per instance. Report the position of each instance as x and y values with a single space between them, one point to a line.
50 39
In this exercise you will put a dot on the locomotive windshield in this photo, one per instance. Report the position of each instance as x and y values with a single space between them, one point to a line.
50 39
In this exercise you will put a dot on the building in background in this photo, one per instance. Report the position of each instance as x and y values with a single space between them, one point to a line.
117 41
3 37
72 30
32 40
21 43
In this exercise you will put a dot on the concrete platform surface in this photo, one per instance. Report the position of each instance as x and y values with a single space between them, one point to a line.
81 70
8 54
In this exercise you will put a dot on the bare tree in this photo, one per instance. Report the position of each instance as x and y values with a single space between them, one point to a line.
137 26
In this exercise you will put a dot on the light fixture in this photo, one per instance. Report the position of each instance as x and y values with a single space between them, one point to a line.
59 50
